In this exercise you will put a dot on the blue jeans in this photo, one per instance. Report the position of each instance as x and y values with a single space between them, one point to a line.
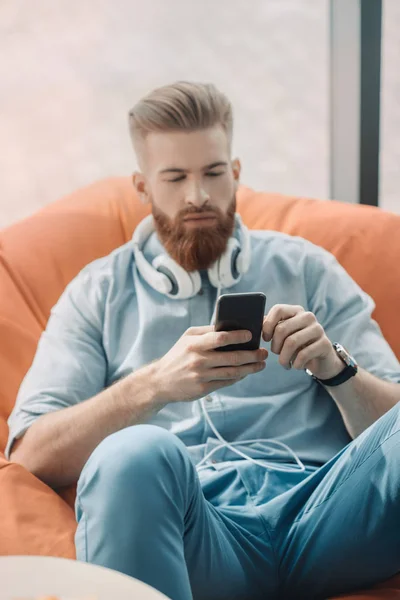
143 510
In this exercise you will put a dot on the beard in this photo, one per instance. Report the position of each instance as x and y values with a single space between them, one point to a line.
198 248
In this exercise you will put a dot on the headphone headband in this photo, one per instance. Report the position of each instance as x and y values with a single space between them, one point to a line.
167 277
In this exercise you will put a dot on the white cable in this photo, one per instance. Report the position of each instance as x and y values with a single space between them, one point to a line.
219 290
225 444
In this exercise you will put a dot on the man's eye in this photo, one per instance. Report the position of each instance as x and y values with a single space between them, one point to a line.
182 177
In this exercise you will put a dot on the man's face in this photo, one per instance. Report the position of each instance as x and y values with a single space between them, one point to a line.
191 183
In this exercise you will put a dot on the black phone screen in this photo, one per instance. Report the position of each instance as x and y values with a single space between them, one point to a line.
241 311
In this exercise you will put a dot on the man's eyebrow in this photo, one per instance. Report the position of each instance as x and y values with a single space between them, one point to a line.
207 168
216 164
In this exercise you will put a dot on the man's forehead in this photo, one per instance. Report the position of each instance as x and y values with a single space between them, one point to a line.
195 150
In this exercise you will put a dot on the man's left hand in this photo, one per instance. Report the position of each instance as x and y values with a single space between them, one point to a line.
300 341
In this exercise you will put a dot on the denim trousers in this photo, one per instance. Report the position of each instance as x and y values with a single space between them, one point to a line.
143 509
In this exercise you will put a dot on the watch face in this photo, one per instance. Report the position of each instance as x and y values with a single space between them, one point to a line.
345 356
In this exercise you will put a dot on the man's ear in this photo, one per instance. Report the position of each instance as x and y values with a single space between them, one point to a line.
236 170
140 185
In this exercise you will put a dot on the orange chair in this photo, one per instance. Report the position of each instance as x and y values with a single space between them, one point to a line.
41 254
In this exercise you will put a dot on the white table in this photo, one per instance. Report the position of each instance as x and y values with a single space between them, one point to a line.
32 576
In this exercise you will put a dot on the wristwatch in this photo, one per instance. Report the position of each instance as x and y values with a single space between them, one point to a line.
350 369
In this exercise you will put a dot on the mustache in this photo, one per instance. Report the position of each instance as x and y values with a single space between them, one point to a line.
197 211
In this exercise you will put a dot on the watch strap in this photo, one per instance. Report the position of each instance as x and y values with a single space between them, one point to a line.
342 377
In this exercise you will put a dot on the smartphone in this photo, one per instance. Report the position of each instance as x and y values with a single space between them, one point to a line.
241 311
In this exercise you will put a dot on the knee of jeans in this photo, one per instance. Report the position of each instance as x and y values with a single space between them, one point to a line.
134 454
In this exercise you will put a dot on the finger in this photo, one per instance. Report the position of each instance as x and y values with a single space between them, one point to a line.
308 354
279 312
199 330
223 373
235 358
295 343
287 328
217 339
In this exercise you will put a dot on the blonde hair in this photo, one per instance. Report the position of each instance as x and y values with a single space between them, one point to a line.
181 106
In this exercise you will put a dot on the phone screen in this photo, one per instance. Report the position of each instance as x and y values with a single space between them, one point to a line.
241 311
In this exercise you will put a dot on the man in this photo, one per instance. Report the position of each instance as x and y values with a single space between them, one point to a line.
112 396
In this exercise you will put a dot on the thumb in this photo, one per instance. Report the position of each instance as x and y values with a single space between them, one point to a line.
266 334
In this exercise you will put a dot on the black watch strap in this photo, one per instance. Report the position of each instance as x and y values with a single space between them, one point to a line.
342 377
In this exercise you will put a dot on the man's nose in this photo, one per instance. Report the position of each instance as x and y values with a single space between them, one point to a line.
196 195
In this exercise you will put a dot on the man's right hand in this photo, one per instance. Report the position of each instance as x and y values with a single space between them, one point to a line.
194 368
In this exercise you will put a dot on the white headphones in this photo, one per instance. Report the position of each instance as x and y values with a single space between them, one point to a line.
167 277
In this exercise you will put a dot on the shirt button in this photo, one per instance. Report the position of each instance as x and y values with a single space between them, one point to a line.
201 291
209 399
214 462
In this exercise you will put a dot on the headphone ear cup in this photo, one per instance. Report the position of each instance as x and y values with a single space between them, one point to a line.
184 284
224 271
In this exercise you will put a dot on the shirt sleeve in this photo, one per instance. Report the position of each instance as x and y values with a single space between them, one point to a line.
70 363
344 310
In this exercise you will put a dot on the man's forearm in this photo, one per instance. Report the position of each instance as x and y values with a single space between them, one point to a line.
56 447
363 399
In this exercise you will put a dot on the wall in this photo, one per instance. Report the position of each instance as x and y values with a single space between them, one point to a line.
69 72
390 108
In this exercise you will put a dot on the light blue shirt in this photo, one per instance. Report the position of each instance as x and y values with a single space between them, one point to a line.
109 322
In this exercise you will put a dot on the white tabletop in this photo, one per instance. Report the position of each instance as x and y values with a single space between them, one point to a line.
33 576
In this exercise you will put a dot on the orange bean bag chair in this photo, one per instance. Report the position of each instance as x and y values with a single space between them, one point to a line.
41 254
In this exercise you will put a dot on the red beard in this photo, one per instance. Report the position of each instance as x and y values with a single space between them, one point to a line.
195 249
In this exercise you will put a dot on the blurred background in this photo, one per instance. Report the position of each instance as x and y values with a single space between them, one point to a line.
315 86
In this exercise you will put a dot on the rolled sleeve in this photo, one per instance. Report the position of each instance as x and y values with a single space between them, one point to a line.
70 363
344 310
